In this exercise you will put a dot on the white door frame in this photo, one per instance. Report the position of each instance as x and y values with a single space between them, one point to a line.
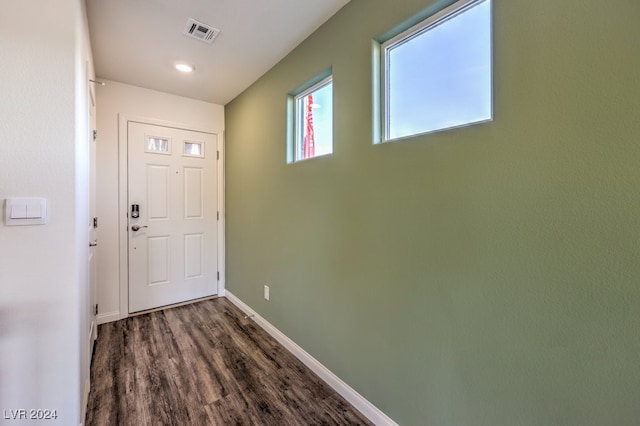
123 206
93 213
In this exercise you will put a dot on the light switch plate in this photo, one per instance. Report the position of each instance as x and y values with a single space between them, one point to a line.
25 211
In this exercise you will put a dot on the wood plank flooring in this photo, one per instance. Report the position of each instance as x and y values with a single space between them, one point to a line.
205 364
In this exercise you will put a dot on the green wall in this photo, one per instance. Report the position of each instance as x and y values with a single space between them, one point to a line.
486 275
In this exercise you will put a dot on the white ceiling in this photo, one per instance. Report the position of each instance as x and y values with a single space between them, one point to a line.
139 41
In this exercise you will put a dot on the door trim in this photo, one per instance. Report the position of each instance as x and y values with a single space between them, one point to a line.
123 185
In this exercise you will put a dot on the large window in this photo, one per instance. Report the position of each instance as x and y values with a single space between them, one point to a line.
313 121
437 74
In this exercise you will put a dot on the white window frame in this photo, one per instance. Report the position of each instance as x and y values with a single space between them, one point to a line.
298 118
417 30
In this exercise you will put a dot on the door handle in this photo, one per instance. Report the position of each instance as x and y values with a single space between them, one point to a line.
93 244
137 228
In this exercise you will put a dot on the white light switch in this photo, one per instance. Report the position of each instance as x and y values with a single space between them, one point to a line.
34 211
25 211
18 211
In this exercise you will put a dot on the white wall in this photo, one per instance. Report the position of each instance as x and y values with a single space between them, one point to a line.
43 134
114 99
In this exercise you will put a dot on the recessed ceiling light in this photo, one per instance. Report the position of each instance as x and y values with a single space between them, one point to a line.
185 67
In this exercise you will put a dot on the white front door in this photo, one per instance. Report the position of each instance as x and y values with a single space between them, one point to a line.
173 240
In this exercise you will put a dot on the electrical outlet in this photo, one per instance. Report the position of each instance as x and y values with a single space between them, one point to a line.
266 292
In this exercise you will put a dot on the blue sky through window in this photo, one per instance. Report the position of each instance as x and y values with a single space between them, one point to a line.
441 77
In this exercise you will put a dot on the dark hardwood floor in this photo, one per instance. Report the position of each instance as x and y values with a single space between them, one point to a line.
204 364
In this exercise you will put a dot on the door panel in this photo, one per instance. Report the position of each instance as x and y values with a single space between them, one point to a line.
193 194
193 256
159 258
173 243
158 192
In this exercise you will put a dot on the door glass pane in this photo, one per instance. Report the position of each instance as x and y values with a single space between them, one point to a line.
193 149
160 145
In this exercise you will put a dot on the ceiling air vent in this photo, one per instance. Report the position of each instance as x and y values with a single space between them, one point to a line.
200 31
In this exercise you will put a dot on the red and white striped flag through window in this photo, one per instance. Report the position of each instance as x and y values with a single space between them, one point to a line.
309 137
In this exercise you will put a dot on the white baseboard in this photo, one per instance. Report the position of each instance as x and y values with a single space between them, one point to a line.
358 401
107 317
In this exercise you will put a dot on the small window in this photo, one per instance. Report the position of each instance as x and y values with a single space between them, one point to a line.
193 149
313 121
437 74
158 145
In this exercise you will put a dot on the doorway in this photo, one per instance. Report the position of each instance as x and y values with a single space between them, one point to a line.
172 217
